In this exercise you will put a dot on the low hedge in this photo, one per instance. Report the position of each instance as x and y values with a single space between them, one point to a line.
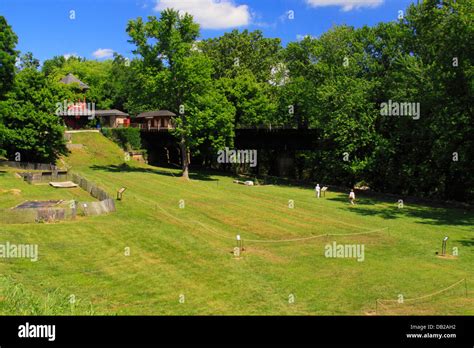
128 138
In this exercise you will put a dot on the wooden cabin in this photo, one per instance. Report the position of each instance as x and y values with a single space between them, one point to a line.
154 120
112 118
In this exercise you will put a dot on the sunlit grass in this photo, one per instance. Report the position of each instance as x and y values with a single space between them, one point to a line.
188 251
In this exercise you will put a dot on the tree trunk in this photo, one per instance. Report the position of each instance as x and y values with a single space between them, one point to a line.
184 159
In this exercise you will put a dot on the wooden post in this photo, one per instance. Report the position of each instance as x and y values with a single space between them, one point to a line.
120 193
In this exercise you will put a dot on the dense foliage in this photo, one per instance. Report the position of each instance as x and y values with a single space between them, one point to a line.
30 129
8 55
181 74
337 84
128 138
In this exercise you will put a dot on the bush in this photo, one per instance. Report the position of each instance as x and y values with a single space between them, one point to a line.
106 132
127 138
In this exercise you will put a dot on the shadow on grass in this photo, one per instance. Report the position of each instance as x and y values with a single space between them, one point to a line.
364 205
129 169
428 215
362 201
466 242
386 213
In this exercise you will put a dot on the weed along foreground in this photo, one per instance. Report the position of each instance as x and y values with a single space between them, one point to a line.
274 172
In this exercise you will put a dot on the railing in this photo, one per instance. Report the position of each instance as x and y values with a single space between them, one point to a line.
30 165
262 128
67 211
145 128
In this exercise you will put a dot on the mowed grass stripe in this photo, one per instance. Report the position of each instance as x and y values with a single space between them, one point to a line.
172 254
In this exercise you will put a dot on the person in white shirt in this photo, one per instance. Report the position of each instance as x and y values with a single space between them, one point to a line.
352 197
318 190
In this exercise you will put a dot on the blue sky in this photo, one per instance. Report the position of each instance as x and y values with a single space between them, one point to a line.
45 27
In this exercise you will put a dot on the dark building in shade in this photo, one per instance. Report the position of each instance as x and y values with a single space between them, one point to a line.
154 120
112 118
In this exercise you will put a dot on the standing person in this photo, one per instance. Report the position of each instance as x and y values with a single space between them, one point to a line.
318 190
352 197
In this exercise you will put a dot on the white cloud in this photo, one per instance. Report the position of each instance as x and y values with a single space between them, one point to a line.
103 53
347 5
211 14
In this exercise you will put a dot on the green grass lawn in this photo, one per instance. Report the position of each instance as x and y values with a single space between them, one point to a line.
186 253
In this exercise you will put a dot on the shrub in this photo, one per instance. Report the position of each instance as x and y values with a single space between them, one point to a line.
128 138
106 132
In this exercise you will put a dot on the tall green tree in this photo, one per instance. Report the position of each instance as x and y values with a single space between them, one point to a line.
30 126
28 61
252 99
168 48
120 82
244 64
50 65
328 89
8 56
236 52
428 60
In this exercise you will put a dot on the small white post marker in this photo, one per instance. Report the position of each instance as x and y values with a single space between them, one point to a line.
238 248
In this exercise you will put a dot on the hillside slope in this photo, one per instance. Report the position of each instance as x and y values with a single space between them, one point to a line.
97 150
168 248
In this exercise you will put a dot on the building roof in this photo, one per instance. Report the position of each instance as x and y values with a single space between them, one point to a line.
112 112
156 113
70 78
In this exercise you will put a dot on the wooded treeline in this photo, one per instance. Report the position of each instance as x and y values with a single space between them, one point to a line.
337 83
